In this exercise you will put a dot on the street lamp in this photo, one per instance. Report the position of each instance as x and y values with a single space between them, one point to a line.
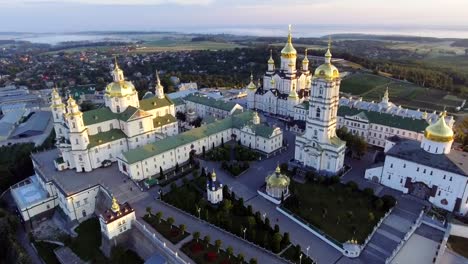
264 216
244 230
307 251
198 210
160 194
300 258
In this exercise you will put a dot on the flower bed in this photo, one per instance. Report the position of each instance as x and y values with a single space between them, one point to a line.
173 234
202 253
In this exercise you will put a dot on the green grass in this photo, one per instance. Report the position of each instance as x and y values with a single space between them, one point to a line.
360 83
173 234
292 255
46 252
372 88
88 242
311 200
459 245
198 251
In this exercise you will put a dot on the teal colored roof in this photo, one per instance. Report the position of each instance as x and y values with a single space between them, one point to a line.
155 102
105 137
163 120
163 145
178 101
128 113
97 116
336 141
416 125
204 100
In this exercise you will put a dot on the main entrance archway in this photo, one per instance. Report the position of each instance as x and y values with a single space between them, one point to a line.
420 190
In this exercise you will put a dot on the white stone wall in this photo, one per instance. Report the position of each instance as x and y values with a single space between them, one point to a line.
118 226
120 104
215 196
450 186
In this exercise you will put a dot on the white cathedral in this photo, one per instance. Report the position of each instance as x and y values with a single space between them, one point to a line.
282 88
319 147
95 138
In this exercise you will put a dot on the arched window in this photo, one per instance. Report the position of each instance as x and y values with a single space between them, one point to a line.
317 113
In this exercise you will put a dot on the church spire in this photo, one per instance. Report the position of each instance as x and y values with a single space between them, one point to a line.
115 205
117 72
328 54
305 61
251 84
159 89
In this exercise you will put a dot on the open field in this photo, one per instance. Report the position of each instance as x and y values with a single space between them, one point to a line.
372 87
189 45
431 49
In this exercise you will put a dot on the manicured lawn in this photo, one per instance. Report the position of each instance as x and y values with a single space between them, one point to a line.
292 254
201 253
173 234
459 245
230 215
340 211
46 251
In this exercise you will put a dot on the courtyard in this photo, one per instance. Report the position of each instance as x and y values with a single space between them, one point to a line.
327 207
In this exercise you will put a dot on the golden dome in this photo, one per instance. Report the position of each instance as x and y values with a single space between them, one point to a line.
251 85
439 131
327 70
277 180
289 51
120 89
115 205
270 60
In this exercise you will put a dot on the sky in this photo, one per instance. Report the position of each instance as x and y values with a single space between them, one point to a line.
148 15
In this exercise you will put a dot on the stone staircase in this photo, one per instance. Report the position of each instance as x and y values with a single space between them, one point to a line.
388 236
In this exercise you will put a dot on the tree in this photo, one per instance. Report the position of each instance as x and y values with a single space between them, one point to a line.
378 204
284 167
173 186
241 257
170 221
159 215
277 229
267 222
227 206
207 239
276 243
148 210
253 261
249 210
203 172
196 235
369 191
177 167
218 244
181 116
182 228
222 142
371 217
251 222
229 251
286 239
161 172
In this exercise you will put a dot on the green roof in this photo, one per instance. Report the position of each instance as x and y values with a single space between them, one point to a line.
304 104
105 137
97 116
208 101
127 114
178 101
163 120
168 143
385 119
155 102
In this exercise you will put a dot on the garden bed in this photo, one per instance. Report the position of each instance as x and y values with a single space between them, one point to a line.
202 253
173 234
230 215
292 254
459 245
326 206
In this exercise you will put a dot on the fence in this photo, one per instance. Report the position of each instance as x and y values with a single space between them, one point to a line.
407 236
174 255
